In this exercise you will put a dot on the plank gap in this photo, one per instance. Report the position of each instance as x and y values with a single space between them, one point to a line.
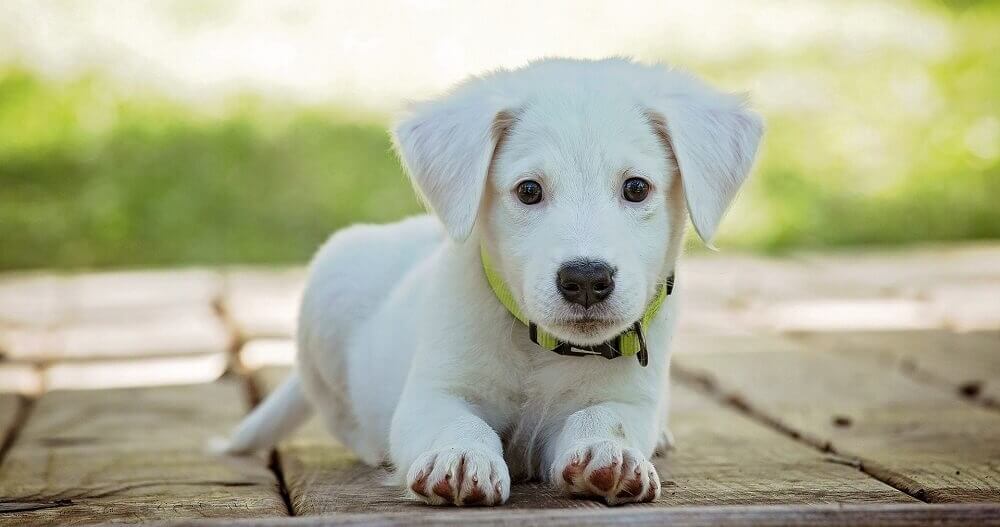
254 397
133 455
709 387
236 337
279 473
24 407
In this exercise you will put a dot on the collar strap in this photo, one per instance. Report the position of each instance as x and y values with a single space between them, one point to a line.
628 343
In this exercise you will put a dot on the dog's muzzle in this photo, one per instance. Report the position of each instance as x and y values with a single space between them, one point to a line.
626 344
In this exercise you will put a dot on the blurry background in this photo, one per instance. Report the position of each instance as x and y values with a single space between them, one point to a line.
188 135
137 133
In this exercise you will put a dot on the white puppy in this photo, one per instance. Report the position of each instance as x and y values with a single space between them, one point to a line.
571 180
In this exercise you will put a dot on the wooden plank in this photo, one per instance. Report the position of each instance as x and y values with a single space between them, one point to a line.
910 270
846 314
20 377
723 458
132 455
741 294
47 300
924 288
916 436
134 372
63 322
192 329
263 303
685 343
32 298
10 408
738 277
898 515
111 295
967 306
323 477
260 353
957 284
968 363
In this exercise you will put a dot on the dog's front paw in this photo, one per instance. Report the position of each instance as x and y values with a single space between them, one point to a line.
458 476
606 470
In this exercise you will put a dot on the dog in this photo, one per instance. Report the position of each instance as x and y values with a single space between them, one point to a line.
521 330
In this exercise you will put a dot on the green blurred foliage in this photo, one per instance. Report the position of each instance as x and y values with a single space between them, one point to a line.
885 148
90 180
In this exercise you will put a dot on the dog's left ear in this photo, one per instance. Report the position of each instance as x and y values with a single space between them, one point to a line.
447 147
714 138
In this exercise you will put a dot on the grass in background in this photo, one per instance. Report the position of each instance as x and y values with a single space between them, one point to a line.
882 148
87 180
876 146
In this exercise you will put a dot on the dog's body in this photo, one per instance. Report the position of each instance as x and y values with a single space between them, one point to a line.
404 347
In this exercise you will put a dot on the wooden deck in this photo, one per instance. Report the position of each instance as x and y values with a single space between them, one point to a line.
817 389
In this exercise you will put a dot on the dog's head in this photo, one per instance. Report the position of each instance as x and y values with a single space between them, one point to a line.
576 175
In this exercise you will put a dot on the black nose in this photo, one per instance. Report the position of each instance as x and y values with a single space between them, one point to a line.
585 282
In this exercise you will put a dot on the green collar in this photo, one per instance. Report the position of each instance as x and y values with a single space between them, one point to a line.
628 343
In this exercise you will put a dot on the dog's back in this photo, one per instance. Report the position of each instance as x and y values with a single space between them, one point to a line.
350 279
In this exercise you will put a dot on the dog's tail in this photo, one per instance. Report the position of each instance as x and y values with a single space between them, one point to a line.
282 412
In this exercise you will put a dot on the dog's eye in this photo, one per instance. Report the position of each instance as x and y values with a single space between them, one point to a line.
635 189
529 192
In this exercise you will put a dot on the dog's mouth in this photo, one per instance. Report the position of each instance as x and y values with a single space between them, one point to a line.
588 322
589 329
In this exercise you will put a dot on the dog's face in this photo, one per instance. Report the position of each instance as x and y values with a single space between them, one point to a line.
577 176
579 212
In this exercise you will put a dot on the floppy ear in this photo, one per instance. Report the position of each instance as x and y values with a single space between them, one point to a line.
447 147
714 140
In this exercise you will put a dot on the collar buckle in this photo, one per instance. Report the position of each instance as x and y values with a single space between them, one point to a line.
643 353
609 350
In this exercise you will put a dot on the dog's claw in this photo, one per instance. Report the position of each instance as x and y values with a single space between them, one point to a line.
610 472
454 477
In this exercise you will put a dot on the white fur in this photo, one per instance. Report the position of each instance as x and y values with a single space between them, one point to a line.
409 357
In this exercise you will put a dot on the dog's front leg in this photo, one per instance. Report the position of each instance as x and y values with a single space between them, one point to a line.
602 452
450 455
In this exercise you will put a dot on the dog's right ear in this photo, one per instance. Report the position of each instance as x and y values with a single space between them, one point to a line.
713 137
447 147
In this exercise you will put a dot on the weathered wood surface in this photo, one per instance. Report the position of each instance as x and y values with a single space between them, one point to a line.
135 371
958 283
153 327
724 458
263 303
916 436
10 409
129 456
323 477
260 353
173 331
50 300
968 363
896 515
828 386
20 377
932 287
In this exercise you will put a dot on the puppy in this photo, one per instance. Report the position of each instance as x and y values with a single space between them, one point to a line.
470 348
